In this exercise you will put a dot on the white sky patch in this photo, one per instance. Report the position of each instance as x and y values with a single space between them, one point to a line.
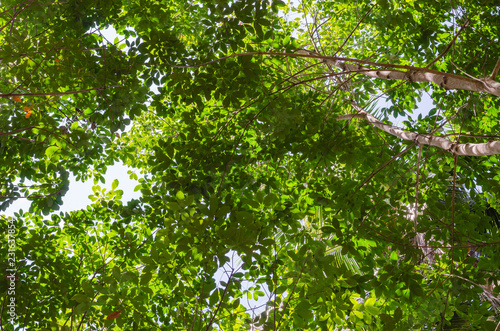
76 198
255 307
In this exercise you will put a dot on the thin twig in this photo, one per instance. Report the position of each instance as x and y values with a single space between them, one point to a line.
16 13
443 314
447 49
353 30
293 290
30 196
220 301
18 130
420 146
8 95
376 171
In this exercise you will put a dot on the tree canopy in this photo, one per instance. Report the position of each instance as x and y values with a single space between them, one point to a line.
265 136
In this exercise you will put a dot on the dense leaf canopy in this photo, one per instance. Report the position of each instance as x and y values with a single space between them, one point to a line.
276 192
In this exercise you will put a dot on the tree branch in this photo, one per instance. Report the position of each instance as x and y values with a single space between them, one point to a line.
481 149
495 70
8 95
355 28
410 73
18 130
220 301
30 196
443 53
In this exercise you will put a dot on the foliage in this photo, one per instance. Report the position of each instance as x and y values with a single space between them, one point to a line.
247 170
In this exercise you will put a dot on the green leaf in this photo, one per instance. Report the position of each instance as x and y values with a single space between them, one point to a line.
370 307
145 278
303 309
180 195
416 289
82 307
50 151
387 319
80 298
398 313
358 314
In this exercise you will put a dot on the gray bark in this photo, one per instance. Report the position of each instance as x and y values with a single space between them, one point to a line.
413 74
489 148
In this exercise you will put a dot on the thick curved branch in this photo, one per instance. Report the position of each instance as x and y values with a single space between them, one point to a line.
489 148
495 70
388 71
413 74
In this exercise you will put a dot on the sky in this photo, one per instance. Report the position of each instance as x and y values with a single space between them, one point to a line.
77 196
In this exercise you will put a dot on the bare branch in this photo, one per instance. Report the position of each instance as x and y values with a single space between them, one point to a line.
481 149
495 70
